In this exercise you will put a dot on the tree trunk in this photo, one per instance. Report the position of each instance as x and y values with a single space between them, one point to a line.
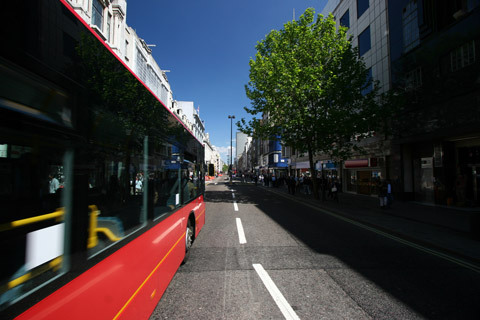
314 176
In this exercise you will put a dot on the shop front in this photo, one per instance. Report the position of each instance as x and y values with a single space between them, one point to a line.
362 176
467 180
277 166
300 168
443 172
328 169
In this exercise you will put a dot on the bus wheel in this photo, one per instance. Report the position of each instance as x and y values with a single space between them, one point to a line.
189 234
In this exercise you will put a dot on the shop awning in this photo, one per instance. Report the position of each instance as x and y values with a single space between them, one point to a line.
301 165
358 163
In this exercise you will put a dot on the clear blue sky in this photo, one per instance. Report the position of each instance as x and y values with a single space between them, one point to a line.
207 45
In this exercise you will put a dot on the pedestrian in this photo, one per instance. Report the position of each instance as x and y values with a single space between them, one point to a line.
308 183
138 185
291 185
389 194
382 194
53 184
334 190
329 188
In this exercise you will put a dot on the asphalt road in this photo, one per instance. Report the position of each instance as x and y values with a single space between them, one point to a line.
299 263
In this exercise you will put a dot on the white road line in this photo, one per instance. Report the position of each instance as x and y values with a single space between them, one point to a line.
235 207
233 195
241 234
277 296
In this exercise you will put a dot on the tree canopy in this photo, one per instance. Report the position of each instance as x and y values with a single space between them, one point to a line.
309 86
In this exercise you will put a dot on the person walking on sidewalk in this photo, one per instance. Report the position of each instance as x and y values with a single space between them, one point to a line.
382 193
389 195
334 190
291 185
307 181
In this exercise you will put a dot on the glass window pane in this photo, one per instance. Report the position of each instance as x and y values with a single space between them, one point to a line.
165 178
369 87
364 43
34 197
362 6
345 19
116 181
410 26
97 14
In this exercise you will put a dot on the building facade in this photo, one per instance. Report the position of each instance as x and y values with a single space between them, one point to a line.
241 140
367 23
109 20
244 162
434 49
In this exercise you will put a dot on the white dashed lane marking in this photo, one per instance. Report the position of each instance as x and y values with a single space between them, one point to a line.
277 296
241 233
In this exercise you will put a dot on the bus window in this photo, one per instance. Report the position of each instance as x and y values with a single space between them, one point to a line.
117 183
34 193
166 184
192 181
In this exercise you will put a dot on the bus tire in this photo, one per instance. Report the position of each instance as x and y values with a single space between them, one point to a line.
189 238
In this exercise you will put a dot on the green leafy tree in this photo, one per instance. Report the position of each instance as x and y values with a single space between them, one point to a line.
225 168
309 86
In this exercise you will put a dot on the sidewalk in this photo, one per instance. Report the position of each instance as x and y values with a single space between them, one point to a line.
440 228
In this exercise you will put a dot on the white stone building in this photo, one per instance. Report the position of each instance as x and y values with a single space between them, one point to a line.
212 156
191 117
109 20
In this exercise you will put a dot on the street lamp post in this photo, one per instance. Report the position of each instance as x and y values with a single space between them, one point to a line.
231 159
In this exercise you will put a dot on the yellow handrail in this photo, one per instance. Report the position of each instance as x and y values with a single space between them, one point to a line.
94 229
58 215
52 264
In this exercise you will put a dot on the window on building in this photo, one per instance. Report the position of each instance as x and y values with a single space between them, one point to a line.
153 81
364 43
126 50
362 6
368 83
463 56
413 79
97 14
141 66
345 19
164 94
410 26
109 22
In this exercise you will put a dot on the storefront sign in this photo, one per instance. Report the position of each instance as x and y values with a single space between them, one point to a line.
359 163
427 162
301 165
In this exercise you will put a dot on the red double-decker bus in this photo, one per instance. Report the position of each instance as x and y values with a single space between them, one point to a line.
101 186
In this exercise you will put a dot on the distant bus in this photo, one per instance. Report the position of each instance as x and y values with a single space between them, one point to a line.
101 187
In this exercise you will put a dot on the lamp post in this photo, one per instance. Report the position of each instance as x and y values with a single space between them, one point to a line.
231 159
